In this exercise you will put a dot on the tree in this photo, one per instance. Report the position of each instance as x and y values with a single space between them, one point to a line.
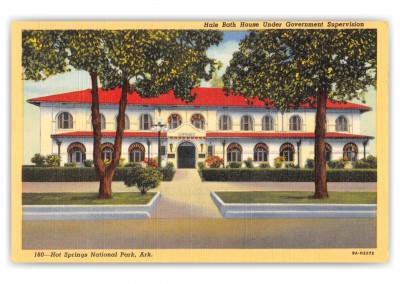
287 68
148 62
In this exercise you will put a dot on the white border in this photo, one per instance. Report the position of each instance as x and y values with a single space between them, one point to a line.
198 10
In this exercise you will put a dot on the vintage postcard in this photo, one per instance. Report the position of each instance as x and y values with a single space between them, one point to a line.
207 141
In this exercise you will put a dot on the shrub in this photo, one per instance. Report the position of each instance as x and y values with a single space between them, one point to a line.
151 162
287 175
373 163
369 163
88 163
235 164
70 165
361 164
167 173
53 160
169 165
291 166
264 165
201 165
133 165
132 175
338 164
148 178
249 163
278 162
310 164
214 161
66 174
38 160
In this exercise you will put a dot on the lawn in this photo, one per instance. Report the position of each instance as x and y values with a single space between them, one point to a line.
119 198
296 197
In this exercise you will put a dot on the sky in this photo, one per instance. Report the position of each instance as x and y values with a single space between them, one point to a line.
80 80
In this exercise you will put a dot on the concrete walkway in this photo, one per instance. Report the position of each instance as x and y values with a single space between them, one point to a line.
185 197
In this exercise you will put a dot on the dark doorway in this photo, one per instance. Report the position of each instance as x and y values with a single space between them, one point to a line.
186 156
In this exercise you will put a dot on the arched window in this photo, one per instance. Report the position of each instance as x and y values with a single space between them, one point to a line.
107 150
295 123
102 122
341 124
328 152
126 124
234 152
136 152
76 153
267 123
350 151
197 120
174 120
287 151
145 122
65 121
225 122
246 123
261 152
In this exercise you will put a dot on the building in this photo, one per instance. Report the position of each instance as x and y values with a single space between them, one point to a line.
213 124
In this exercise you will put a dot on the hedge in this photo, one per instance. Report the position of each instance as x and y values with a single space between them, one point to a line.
287 175
67 174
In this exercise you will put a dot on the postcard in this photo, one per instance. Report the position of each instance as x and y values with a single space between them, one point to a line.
204 141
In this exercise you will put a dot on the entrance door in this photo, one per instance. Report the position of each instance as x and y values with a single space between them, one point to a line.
186 156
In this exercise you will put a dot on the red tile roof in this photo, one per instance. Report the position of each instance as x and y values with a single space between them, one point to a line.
109 134
205 97
270 135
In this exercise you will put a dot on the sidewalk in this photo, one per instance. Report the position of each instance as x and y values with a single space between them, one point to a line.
187 197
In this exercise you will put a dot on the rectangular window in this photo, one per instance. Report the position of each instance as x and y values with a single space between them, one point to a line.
163 150
78 157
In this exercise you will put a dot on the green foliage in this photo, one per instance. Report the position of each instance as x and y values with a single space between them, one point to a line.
132 176
287 175
279 161
369 163
167 173
289 67
148 178
53 161
249 163
38 160
88 163
201 165
338 164
66 174
70 165
310 164
133 165
235 164
169 165
361 164
264 165
291 166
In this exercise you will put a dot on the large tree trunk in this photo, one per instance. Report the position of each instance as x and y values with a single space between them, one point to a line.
106 174
321 187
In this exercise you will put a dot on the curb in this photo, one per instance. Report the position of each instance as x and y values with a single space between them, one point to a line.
89 212
273 210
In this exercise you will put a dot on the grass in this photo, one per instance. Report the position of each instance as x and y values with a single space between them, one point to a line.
296 197
119 198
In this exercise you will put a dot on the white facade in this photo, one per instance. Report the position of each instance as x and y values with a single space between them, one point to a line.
283 128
